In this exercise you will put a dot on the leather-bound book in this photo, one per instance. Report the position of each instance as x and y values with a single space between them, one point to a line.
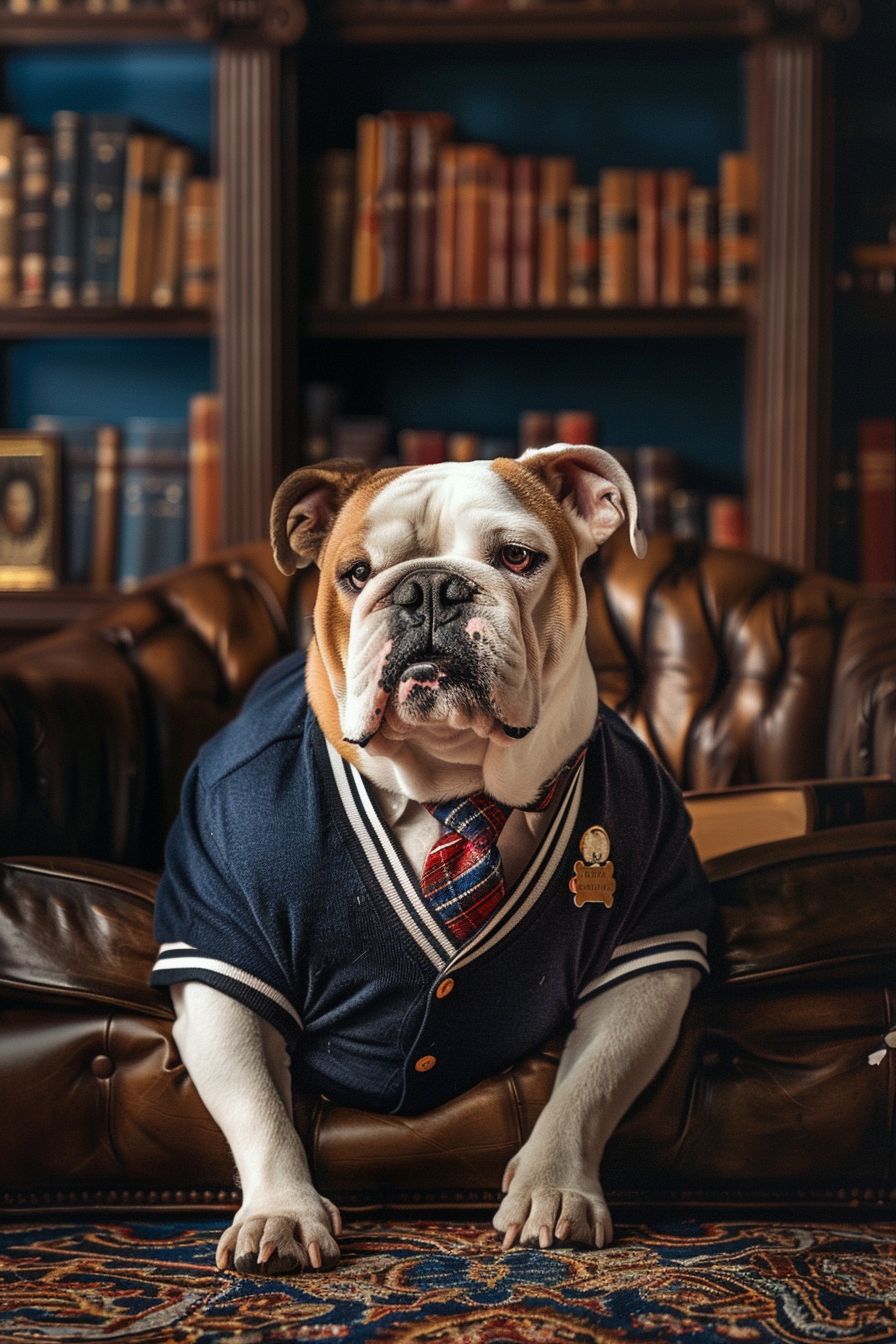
462 447
536 430
524 231
656 477
556 180
584 246
687 514
738 228
177 164
393 191
154 509
336 175
576 427
618 236
199 283
675 186
367 264
474 182
205 474
726 517
104 565
421 447
65 209
429 132
648 189
446 225
78 439
10 132
876 469
499 234
34 219
105 146
703 246
140 218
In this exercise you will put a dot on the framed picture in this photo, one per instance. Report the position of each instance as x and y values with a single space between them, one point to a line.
30 511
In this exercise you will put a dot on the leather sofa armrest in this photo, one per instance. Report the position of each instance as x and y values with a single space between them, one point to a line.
862 732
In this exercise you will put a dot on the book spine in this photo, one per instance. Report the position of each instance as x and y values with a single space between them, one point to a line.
421 447
177 164
199 285
687 511
727 521
77 439
474 179
703 245
675 186
648 192
462 447
576 427
556 180
205 475
656 477
446 225
524 231
584 246
64 209
105 147
393 204
10 132
429 133
499 234
536 430
140 218
876 464
154 503
34 219
367 268
106 495
618 237
738 228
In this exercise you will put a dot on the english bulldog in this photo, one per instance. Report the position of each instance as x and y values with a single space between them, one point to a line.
298 932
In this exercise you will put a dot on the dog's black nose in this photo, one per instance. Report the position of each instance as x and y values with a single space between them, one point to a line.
434 595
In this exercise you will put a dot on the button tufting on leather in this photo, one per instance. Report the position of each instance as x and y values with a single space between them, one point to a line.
101 1066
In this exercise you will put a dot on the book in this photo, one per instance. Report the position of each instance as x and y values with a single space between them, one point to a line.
584 246
738 228
757 814
648 197
576 427
140 218
322 403
361 436
65 209
367 277
703 246
78 439
687 510
446 225
199 287
392 196
475 165
204 422
675 185
335 191
536 430
556 175
34 219
101 206
421 447
656 477
726 517
499 232
462 447
844 517
876 468
104 565
429 132
153 510
177 164
618 237
10 132
525 186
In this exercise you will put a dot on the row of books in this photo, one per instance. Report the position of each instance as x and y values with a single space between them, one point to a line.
410 217
137 498
872 268
90 6
863 519
100 212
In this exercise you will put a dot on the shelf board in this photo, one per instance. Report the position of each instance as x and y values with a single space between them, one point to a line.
353 323
78 25
18 323
560 21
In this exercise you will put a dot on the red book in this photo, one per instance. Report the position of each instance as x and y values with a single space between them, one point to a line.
499 234
524 231
876 462
421 447
727 521
576 427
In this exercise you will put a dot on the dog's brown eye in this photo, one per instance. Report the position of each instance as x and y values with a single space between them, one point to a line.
358 575
518 559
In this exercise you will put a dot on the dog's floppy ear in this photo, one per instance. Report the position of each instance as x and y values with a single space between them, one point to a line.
593 489
305 507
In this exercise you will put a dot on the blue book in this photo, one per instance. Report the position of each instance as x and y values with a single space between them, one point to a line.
79 441
65 204
105 149
154 499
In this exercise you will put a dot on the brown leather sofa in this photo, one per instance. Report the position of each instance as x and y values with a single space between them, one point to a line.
732 668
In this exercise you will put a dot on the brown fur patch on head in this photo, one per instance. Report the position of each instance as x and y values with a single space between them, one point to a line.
536 498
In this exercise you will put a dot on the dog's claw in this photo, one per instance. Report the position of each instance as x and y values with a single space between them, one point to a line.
510 1236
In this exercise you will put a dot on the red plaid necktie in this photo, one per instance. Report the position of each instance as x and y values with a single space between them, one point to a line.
463 877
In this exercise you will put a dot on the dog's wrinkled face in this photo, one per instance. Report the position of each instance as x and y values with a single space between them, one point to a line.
450 602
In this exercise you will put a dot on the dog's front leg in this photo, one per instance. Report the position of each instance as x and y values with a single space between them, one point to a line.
620 1041
240 1068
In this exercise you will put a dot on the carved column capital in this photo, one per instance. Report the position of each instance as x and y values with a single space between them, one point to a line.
833 20
270 22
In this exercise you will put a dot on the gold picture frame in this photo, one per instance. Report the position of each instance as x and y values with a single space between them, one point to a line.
30 511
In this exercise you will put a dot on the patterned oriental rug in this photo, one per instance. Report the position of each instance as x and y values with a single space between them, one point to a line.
448 1283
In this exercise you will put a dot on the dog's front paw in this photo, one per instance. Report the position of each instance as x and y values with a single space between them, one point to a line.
541 1207
273 1237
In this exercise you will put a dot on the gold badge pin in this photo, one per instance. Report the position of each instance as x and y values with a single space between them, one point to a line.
592 880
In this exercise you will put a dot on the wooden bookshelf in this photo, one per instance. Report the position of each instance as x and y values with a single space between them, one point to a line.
20 323
404 323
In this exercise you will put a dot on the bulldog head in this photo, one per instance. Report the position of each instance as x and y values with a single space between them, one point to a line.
449 628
